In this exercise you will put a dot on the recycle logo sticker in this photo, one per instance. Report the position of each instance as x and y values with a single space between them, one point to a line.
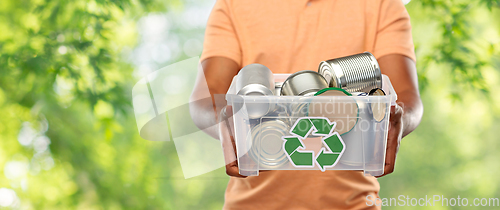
319 126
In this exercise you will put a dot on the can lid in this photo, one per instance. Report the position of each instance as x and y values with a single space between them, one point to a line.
267 147
333 91
326 70
378 108
377 92
344 113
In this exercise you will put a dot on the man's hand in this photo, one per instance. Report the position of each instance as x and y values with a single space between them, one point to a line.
393 138
404 118
216 74
227 140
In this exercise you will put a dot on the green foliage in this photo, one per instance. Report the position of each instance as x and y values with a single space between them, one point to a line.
459 47
63 77
72 42
453 151
491 3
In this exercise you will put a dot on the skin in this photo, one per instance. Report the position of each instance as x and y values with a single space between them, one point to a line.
406 115
219 72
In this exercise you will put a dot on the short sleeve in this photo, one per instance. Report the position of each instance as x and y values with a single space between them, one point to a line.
220 35
394 31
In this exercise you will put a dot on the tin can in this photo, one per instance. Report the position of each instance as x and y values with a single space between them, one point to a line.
303 83
359 94
267 145
378 108
281 112
357 142
343 111
277 88
355 73
256 80
299 109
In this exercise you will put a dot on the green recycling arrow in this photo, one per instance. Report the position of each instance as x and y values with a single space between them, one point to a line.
334 143
328 156
302 158
302 127
326 159
298 158
336 146
292 144
322 125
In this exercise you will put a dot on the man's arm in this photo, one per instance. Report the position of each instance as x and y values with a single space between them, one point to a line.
217 73
221 60
406 115
403 74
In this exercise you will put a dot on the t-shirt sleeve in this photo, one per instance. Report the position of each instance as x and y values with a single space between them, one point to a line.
220 35
394 31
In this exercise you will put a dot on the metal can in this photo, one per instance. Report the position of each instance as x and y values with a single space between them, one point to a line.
267 145
343 111
358 142
277 88
303 83
355 73
256 80
359 94
378 108
298 109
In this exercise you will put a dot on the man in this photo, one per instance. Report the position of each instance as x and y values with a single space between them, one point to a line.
292 35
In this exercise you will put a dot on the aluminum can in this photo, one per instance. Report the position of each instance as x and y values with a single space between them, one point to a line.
267 145
355 73
256 80
277 88
378 108
344 111
303 83
359 141
359 94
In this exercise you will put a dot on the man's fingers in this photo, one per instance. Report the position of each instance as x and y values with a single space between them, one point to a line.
392 150
229 149
393 138
226 139
389 168
232 170
229 110
227 145
390 160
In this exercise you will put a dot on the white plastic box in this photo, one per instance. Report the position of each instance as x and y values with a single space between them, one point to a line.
261 142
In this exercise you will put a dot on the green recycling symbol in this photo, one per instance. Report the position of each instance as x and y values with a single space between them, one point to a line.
318 126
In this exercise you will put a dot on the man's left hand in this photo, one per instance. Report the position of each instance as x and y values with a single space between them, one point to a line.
394 137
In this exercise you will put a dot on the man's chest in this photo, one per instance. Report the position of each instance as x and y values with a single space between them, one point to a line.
298 33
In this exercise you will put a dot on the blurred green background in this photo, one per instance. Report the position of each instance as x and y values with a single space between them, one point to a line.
68 138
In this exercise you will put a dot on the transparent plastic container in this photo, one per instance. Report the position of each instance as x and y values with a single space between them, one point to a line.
261 142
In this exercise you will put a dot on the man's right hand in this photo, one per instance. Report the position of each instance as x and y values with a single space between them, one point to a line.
216 74
226 136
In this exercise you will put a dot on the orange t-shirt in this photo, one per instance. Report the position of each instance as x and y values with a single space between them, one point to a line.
292 35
